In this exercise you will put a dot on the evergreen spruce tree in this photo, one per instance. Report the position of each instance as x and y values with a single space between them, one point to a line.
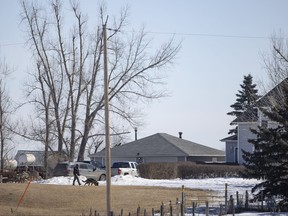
246 98
269 161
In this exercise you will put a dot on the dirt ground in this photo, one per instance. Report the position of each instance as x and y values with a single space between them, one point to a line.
60 200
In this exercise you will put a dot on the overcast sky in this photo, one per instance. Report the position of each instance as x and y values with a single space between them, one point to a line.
222 41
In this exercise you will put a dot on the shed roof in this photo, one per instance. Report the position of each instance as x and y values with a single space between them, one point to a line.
230 138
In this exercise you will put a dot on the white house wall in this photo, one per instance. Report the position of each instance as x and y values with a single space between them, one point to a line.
244 134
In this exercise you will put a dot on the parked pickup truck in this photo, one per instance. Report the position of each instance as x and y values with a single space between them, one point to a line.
124 168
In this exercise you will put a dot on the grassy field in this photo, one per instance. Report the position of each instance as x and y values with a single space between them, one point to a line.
80 200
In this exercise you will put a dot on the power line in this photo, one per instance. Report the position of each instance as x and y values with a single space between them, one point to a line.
211 35
181 34
11 44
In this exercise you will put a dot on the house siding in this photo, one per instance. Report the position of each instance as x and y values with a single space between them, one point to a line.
160 159
146 159
231 151
244 134
206 158
112 160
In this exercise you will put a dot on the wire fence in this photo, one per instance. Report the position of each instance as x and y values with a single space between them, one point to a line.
225 202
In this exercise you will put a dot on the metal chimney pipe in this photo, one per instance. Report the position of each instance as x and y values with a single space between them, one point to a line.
135 133
180 135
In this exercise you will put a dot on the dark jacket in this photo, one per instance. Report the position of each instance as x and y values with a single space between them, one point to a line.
76 170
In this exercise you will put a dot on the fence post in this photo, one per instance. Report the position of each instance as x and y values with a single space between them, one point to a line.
226 196
162 209
237 199
182 201
153 212
177 206
121 212
207 208
221 210
262 200
138 210
171 208
144 212
193 208
246 199
231 209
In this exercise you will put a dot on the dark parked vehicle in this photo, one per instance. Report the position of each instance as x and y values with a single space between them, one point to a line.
96 164
61 169
85 169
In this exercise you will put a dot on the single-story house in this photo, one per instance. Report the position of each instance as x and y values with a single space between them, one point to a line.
161 147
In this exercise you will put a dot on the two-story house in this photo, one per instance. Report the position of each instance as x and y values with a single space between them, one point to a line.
251 119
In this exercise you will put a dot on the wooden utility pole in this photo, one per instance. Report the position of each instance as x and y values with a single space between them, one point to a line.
1 129
107 126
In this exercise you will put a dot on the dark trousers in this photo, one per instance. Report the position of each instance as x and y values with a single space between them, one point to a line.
76 178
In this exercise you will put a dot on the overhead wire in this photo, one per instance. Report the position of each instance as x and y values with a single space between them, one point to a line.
212 35
180 34
11 44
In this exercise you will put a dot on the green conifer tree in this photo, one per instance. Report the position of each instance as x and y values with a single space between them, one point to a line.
269 161
246 98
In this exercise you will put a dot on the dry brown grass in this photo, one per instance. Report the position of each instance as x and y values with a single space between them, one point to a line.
78 200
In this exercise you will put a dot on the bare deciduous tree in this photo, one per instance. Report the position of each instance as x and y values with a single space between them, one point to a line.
5 114
71 69
276 66
276 62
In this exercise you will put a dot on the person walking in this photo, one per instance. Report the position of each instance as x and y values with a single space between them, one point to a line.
76 174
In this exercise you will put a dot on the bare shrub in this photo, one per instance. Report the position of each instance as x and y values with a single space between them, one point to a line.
158 170
188 170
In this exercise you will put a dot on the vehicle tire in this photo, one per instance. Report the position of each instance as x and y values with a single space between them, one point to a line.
102 177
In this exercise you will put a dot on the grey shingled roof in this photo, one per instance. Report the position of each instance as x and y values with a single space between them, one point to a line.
162 144
230 138
247 116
